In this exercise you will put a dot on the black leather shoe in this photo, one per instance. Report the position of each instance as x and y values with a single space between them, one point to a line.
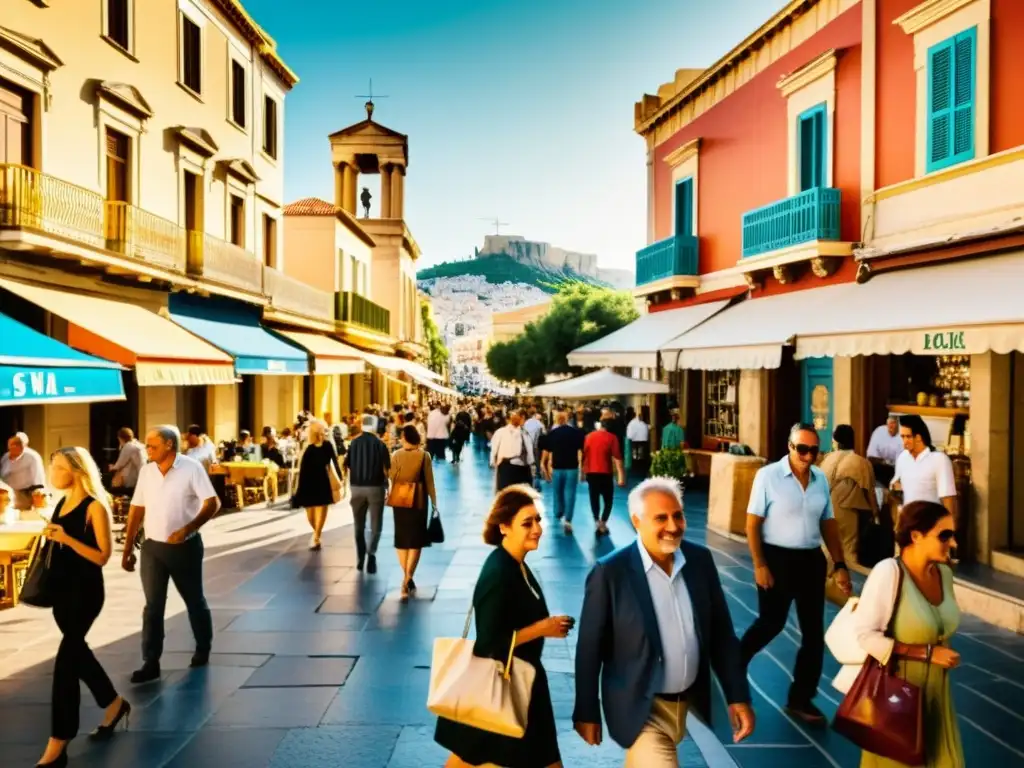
148 673
371 564
106 732
807 713
200 659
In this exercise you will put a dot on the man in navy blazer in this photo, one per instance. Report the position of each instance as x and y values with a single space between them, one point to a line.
654 626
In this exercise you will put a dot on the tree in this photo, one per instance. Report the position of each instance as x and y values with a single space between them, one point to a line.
580 313
436 350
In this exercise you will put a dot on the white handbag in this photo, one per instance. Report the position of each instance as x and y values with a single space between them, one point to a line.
478 692
841 637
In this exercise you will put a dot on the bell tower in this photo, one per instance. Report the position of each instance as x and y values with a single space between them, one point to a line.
370 148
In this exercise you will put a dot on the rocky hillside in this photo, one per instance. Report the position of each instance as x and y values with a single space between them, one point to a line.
502 268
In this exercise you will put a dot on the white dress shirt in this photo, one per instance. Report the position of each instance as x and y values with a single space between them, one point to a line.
21 473
929 477
437 425
205 453
509 443
174 500
680 648
884 446
637 431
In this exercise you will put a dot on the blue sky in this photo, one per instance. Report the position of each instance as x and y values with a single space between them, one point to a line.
518 109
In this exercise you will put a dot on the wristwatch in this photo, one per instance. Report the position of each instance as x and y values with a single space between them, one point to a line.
839 565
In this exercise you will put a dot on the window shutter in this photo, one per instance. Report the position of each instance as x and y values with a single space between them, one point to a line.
812 151
963 101
819 148
684 207
807 153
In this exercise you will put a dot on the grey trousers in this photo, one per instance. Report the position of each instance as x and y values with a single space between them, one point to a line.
367 499
182 564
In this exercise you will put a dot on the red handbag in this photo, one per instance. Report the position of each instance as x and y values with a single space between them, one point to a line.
882 713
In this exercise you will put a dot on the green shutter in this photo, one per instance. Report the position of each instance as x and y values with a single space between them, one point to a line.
812 151
684 207
951 93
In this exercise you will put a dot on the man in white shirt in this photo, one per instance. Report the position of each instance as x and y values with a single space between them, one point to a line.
23 470
200 447
437 432
922 473
639 436
175 498
130 459
534 427
512 453
885 446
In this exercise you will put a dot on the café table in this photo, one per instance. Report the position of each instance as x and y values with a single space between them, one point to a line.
16 540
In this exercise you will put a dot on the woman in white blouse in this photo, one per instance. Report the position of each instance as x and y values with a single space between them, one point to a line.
926 616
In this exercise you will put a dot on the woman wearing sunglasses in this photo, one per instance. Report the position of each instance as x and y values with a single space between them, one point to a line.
924 615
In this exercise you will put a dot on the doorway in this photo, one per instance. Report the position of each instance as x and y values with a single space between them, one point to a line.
816 397
15 126
247 405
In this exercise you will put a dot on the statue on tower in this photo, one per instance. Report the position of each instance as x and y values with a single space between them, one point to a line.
365 199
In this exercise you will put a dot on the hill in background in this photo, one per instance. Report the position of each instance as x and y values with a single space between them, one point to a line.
502 268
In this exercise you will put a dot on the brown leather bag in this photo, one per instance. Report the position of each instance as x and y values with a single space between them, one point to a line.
882 713
403 495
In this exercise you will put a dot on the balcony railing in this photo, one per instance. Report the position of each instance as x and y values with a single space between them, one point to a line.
806 217
33 200
144 236
224 262
358 310
671 257
292 295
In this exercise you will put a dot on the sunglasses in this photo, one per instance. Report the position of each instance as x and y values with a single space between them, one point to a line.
946 536
804 450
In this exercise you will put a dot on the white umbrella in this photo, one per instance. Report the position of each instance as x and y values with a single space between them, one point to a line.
603 383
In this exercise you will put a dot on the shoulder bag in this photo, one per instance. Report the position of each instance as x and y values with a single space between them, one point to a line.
403 495
38 589
882 713
481 693
337 487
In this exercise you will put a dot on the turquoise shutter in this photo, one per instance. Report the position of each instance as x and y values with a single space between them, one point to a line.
951 90
684 207
812 148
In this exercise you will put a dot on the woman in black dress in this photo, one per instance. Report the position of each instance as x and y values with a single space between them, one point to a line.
411 464
508 600
79 532
314 493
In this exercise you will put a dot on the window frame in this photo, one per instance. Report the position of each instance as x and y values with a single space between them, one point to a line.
690 183
821 172
236 61
273 151
128 47
184 17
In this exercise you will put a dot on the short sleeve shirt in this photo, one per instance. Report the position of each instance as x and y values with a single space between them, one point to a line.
792 514
174 500
929 477
599 449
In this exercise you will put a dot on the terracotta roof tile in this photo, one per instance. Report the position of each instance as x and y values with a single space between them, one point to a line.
310 206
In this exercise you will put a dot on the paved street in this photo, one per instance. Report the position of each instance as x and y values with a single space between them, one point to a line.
318 665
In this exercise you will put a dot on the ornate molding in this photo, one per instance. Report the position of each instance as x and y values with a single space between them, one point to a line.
927 13
824 266
125 96
198 138
783 273
812 71
679 156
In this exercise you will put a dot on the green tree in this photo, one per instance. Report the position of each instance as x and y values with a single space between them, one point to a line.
580 313
436 350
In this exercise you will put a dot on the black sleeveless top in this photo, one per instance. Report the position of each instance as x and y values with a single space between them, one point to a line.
73 569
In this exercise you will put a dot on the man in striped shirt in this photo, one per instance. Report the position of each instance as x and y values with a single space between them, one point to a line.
367 462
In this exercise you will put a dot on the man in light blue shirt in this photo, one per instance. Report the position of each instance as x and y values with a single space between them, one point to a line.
788 517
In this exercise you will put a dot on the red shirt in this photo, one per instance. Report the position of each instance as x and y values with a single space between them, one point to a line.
600 447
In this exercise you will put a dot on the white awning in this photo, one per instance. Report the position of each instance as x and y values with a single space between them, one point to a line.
399 365
603 383
330 356
967 307
433 385
637 344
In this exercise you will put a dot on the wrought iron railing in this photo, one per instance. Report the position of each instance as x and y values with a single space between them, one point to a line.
223 262
144 236
359 310
673 256
803 218
293 295
32 200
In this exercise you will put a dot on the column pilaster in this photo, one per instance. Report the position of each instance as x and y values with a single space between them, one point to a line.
397 192
386 192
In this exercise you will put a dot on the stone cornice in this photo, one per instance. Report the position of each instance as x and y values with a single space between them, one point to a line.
679 156
927 13
808 73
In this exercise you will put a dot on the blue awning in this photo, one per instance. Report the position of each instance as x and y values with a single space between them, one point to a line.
37 369
235 327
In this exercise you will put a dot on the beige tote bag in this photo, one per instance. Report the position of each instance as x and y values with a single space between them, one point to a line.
481 693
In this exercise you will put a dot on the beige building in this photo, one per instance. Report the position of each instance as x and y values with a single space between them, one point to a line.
505 326
141 155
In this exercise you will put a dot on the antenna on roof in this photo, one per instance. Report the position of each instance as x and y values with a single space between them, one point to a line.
498 224
369 100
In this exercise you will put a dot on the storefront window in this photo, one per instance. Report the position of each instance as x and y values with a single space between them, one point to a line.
721 405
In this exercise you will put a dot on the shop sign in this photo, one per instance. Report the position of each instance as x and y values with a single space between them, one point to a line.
945 341
34 384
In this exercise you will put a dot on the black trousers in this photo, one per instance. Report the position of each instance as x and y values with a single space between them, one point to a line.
601 489
457 445
512 474
799 576
436 447
182 564
75 613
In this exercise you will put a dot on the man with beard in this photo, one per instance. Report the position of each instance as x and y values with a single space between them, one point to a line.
654 626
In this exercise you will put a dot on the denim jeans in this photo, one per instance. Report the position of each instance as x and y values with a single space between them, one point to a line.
563 483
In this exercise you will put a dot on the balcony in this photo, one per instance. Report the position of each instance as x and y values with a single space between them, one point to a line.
811 216
224 263
358 310
46 205
288 294
674 256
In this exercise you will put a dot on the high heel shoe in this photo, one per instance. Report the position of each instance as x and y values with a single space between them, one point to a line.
106 732
60 762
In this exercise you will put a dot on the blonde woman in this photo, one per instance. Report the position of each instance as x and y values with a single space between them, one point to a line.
80 532
318 460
